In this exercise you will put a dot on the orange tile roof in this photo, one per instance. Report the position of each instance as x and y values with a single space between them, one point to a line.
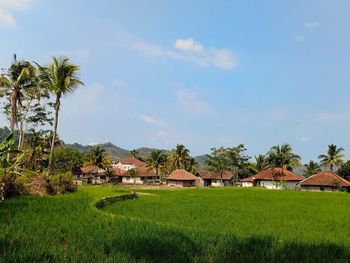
89 169
227 175
118 172
144 172
132 161
325 179
182 175
248 179
276 174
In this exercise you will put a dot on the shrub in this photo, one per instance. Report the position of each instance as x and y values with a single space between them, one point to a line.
62 183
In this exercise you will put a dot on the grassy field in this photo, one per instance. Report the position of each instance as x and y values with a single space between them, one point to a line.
189 225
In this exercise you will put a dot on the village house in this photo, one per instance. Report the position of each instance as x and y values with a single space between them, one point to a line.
117 175
214 178
142 176
183 178
90 174
324 181
276 178
127 164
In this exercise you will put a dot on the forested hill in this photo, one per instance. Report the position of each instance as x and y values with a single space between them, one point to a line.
115 153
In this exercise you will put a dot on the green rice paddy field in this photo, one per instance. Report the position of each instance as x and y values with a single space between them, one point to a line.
187 225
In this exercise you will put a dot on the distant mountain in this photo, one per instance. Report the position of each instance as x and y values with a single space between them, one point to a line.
200 159
115 153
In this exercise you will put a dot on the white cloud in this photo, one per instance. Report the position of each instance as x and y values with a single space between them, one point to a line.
190 101
188 45
191 51
312 24
8 7
299 39
330 117
150 120
156 51
6 18
304 139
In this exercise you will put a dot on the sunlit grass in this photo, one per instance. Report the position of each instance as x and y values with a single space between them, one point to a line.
205 225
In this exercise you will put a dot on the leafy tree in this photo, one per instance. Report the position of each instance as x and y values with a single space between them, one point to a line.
333 157
66 159
133 173
344 170
283 156
218 162
135 154
312 168
61 79
156 161
96 156
179 158
261 163
238 161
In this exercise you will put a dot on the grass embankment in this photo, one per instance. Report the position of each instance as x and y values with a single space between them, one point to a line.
204 225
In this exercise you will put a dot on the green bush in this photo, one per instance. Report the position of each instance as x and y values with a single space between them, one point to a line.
62 183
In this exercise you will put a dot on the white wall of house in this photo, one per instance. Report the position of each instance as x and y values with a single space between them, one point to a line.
247 184
290 185
124 167
132 180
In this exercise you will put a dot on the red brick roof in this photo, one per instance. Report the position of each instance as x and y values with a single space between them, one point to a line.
132 161
89 169
182 175
118 172
227 175
276 174
144 172
248 179
325 179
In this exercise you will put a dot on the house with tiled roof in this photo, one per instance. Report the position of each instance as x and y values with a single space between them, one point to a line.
214 178
183 178
323 181
129 163
142 176
274 178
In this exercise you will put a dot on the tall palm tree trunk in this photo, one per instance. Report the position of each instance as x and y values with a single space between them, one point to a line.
54 135
13 118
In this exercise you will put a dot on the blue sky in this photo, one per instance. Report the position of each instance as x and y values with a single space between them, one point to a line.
201 73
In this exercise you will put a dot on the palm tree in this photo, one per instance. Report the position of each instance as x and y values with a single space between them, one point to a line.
96 156
179 157
19 76
312 168
261 163
156 161
135 154
60 78
333 157
282 156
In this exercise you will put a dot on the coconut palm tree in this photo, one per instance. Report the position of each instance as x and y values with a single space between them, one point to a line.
283 156
96 156
333 157
156 161
312 168
135 154
261 163
20 76
61 79
179 157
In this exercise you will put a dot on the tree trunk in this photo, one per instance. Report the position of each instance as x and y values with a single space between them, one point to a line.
13 102
221 180
54 135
